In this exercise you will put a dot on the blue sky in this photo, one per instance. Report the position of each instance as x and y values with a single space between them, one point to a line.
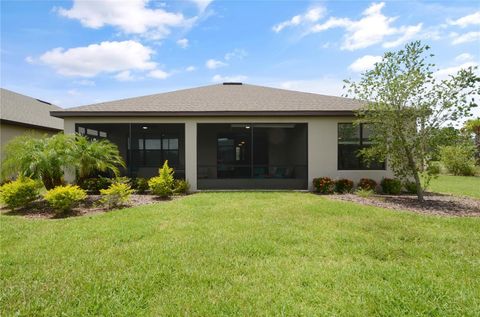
79 52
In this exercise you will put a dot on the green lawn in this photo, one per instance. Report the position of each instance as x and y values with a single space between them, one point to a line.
457 185
242 254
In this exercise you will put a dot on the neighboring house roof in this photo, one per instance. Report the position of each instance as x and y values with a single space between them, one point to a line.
20 109
222 100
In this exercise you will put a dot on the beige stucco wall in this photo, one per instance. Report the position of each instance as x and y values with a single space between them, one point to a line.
322 141
9 131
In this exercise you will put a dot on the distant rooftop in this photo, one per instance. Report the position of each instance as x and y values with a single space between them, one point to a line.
229 98
21 109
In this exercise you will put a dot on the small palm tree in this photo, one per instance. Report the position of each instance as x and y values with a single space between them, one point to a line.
39 157
95 156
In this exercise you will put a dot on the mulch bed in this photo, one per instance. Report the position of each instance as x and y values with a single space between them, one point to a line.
434 204
40 208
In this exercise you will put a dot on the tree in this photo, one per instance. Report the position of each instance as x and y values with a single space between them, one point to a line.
47 158
444 136
473 126
403 102
95 155
43 158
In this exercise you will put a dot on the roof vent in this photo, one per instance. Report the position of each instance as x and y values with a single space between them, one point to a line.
43 101
232 83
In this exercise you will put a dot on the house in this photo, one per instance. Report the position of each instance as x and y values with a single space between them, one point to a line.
20 114
232 136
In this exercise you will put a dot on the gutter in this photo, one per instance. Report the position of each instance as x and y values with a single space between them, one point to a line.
322 113
29 125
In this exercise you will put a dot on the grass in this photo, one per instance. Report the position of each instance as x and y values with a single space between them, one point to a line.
241 254
457 185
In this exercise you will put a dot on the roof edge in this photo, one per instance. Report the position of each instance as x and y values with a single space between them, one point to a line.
320 113
29 125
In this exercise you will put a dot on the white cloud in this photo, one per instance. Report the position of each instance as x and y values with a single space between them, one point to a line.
213 64
126 75
131 17
237 78
464 57
190 68
364 63
183 43
408 33
236 53
373 28
310 16
106 57
84 82
465 38
73 92
325 85
158 74
445 72
202 4
29 60
472 19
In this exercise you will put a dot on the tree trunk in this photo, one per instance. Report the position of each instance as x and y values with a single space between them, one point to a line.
477 144
418 183
47 182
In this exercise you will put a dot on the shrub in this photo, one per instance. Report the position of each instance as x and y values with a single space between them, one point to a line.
364 193
459 159
94 185
19 193
162 185
181 186
343 186
123 180
43 158
391 186
434 168
367 184
64 198
410 187
116 195
90 156
140 185
324 185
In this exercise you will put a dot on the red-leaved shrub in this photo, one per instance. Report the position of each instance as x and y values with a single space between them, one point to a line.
324 185
343 186
367 184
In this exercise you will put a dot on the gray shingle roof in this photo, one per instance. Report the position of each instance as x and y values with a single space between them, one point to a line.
222 99
27 110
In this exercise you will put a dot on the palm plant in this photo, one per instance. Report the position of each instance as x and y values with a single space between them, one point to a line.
39 158
95 155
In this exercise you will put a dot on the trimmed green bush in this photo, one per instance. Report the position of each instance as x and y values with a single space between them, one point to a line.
410 187
434 168
181 186
140 185
163 185
324 185
367 184
116 195
343 185
19 193
94 185
391 186
459 159
64 198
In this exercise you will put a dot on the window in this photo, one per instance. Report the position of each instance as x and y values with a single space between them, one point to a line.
144 147
351 139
